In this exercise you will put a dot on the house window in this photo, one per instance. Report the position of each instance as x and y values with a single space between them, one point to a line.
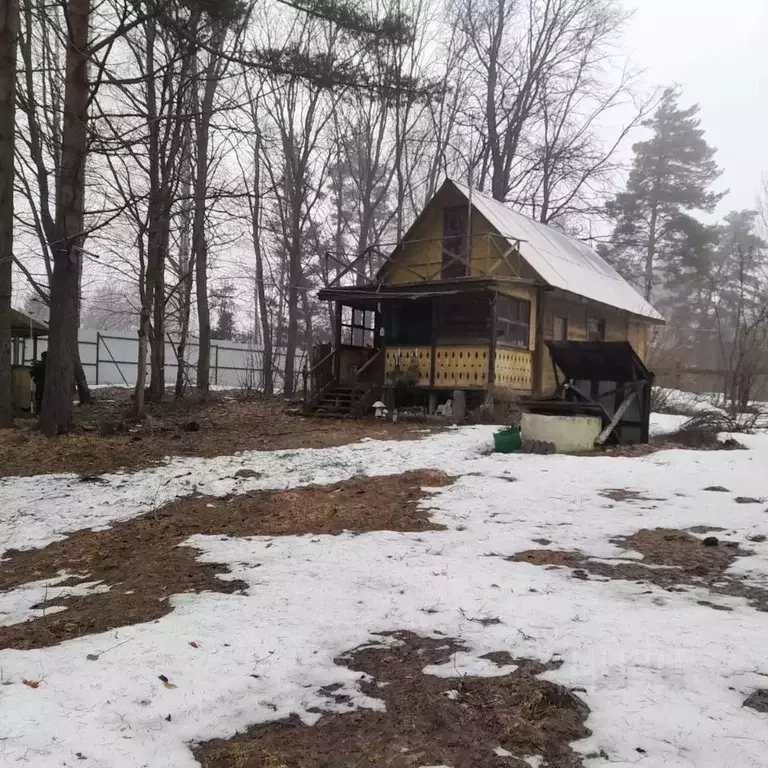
560 328
595 329
357 327
408 322
513 321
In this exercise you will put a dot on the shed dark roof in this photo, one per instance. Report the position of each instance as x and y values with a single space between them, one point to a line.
23 326
598 360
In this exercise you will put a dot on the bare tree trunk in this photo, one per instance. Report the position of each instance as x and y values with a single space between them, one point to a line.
154 298
199 239
650 255
81 382
9 26
260 291
56 416
185 267
294 277
141 364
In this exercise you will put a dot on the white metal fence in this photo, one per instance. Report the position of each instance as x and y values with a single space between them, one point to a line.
110 357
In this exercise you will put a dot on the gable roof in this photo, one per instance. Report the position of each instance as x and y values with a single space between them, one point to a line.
561 261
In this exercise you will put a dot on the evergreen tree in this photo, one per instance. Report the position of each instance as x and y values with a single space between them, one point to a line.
656 235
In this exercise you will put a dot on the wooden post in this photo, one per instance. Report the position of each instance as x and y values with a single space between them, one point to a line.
433 340
304 377
98 344
459 405
538 357
491 384
337 341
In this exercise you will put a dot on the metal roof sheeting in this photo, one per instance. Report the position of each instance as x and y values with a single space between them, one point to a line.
562 261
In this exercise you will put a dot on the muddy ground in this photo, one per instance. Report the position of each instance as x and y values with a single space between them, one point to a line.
673 559
106 438
466 722
144 564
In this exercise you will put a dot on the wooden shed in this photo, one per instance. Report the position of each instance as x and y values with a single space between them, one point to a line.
25 331
464 302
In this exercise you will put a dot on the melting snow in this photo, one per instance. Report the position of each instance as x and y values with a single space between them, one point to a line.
659 671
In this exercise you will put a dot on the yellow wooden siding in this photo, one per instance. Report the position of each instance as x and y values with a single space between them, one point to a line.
638 338
415 363
21 386
514 369
461 366
420 257
456 366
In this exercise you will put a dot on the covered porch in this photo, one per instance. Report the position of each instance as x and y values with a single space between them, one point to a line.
470 334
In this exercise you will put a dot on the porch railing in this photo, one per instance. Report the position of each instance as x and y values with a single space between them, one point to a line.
367 382
363 269
321 376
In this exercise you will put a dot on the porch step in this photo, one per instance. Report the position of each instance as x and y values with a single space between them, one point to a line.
337 402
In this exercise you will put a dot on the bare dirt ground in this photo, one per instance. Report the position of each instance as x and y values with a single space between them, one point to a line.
672 559
142 562
466 722
105 438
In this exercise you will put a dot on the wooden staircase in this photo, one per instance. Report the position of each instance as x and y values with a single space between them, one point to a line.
335 399
343 401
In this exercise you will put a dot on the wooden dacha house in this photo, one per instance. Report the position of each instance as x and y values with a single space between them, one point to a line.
464 303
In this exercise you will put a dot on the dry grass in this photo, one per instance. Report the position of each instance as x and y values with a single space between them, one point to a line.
219 426
683 561
143 563
421 724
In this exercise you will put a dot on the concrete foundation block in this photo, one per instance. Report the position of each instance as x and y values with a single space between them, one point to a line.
570 434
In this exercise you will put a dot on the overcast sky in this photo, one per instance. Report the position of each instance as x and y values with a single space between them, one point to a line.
717 51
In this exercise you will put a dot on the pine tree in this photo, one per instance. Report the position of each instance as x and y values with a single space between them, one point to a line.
656 233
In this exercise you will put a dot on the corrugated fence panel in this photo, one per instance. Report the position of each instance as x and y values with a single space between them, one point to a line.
110 358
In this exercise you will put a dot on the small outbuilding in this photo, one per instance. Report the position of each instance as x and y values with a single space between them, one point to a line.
603 379
25 332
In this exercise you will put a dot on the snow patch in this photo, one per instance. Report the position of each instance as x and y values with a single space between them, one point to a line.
16 605
463 664
658 670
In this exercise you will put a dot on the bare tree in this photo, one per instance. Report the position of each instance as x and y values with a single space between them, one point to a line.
533 95
255 190
212 73
9 25
40 99
300 116
56 413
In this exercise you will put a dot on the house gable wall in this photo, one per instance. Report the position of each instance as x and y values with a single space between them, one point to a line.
420 255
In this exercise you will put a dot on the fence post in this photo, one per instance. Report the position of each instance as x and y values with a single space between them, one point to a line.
98 344
304 376
216 366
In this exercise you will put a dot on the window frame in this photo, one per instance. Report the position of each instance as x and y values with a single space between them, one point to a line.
599 332
523 309
564 319
364 327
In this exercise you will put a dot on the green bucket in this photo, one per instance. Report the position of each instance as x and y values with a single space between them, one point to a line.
507 440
